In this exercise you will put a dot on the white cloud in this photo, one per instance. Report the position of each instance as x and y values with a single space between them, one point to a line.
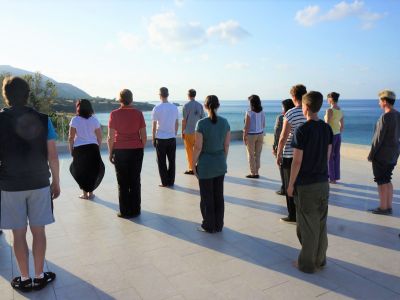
129 41
308 16
229 31
342 10
369 19
237 66
166 32
311 15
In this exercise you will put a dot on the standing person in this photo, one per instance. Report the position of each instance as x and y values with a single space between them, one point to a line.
293 119
253 134
126 140
165 127
192 112
85 136
334 117
385 151
312 143
286 105
210 154
27 150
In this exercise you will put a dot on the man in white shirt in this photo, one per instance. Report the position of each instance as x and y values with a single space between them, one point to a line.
165 127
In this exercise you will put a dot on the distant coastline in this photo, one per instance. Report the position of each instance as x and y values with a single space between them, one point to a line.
100 105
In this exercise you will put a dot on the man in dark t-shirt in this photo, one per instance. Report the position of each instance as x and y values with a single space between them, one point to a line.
312 143
385 150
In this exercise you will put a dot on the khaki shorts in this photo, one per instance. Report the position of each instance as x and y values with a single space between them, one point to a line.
17 208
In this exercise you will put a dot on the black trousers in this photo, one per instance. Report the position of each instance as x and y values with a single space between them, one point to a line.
212 203
286 165
166 148
283 189
128 166
87 168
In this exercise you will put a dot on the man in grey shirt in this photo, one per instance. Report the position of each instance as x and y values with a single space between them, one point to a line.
385 151
192 112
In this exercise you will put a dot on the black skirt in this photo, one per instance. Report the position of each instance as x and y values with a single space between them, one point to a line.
87 167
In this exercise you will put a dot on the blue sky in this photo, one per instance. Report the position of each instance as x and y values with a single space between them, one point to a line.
228 48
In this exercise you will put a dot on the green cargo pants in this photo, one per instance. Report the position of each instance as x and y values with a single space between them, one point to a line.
311 213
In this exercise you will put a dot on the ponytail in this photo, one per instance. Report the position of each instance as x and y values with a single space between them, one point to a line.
212 105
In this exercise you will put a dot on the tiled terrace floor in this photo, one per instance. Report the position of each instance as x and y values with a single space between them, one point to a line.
160 255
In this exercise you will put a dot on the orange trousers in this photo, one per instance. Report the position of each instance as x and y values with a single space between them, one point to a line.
189 146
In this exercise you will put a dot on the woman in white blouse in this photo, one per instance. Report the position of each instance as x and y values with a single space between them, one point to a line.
85 136
253 134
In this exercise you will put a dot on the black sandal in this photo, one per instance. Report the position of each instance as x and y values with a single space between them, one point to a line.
23 286
40 283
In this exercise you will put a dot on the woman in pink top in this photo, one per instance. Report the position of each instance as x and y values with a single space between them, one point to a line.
126 140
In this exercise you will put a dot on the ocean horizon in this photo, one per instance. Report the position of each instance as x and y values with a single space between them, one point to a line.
360 116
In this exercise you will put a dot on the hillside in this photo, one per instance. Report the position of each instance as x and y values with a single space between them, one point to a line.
64 90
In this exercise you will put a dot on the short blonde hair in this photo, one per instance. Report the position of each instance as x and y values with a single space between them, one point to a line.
388 96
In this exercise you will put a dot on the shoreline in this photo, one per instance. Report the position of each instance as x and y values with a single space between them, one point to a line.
350 151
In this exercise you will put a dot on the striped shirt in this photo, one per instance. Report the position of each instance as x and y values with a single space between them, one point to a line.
295 118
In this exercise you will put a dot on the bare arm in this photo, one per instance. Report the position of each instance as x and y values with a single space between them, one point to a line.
71 138
153 130
176 126
328 115
246 128
54 165
282 140
110 143
294 170
198 145
143 136
99 136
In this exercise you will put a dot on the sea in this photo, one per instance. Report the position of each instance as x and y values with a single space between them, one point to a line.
360 116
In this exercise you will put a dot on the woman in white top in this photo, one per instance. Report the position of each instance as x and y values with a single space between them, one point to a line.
85 135
253 134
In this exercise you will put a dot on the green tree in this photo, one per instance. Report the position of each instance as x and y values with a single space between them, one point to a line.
42 92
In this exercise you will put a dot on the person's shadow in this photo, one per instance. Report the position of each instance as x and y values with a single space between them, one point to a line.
267 254
65 286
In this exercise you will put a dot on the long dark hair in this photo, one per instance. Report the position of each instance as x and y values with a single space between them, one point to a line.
287 104
212 104
255 103
84 108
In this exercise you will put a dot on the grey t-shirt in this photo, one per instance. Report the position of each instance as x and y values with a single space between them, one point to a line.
192 112
386 141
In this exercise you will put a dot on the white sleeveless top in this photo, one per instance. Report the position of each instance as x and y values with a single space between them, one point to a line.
257 121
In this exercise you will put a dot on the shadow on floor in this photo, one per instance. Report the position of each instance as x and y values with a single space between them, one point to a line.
66 285
353 230
365 187
264 253
262 182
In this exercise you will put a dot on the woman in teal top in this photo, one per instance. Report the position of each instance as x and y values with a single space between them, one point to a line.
210 152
